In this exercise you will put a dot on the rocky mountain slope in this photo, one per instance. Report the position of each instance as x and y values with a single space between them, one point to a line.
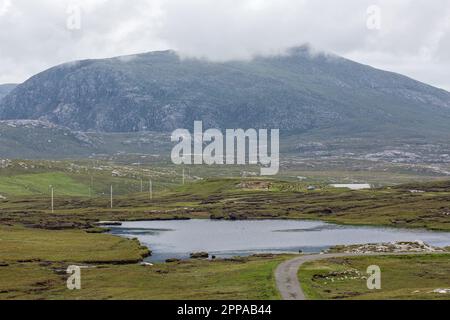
298 92
40 139
34 139
5 89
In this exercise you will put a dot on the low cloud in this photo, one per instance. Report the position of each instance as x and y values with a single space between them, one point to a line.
410 37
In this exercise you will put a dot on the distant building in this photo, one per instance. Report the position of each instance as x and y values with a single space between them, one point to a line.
353 186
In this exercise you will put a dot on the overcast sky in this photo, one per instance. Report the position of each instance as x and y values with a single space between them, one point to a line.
406 36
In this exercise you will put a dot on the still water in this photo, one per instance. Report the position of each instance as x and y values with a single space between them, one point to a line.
177 239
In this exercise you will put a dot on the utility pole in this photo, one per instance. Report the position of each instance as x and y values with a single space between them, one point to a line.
183 177
53 202
91 188
150 188
111 196
140 172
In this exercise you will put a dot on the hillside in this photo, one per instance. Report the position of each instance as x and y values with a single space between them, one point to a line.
34 139
298 92
82 178
5 89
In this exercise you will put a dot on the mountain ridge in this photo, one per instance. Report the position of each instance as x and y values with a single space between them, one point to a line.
298 92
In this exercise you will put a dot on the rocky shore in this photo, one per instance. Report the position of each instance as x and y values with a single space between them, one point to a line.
397 246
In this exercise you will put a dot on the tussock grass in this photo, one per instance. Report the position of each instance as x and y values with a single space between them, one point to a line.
402 277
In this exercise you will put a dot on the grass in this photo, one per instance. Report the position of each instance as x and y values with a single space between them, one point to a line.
81 178
402 277
38 183
33 264
37 245
25 244
247 279
225 199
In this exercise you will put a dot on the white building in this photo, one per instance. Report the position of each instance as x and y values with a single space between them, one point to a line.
353 186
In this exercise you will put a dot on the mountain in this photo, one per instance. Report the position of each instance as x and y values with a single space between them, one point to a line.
5 89
34 139
299 92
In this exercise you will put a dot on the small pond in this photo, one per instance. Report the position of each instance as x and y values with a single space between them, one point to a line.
178 238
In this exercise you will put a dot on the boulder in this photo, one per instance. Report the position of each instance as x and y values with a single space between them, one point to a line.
199 255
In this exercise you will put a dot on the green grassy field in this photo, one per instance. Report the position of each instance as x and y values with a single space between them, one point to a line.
18 243
33 264
237 199
402 277
93 177
39 183
82 178
37 245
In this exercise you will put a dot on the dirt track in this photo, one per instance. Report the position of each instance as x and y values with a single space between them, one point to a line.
286 273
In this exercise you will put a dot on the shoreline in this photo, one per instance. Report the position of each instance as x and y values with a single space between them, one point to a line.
294 249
